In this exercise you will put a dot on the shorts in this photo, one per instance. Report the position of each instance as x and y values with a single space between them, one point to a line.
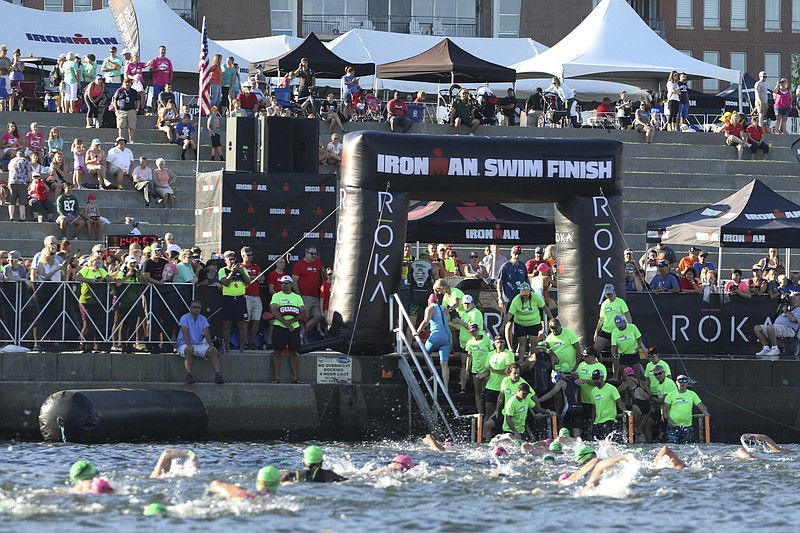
604 335
215 142
784 331
313 310
93 315
440 342
525 331
782 112
180 142
603 429
402 121
71 91
254 307
126 119
490 396
199 350
628 359
283 338
679 434
234 309
762 107
418 301
137 86
683 111
348 98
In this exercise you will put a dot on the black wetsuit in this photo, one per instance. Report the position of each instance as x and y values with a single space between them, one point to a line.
318 475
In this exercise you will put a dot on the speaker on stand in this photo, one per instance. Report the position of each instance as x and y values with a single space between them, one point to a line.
240 147
289 145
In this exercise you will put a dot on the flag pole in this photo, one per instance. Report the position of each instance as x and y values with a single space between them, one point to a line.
202 87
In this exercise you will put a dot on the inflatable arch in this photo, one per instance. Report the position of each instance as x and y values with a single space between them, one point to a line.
382 172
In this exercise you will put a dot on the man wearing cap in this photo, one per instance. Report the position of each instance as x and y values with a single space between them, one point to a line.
307 275
153 274
39 198
737 285
511 275
677 412
785 326
248 100
313 471
654 362
126 104
588 365
606 399
112 66
69 211
515 410
626 340
564 344
467 314
478 348
538 259
288 310
161 69
194 340
662 252
689 260
660 385
757 284
703 262
611 307
234 279
761 91
119 161
664 280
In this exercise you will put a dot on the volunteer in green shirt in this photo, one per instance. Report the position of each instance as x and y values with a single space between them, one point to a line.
588 364
626 339
525 310
564 344
288 310
496 364
611 307
515 412
469 314
606 400
127 308
677 411
93 299
662 387
478 348
654 362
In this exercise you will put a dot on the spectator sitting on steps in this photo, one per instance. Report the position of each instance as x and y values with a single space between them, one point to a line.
119 161
734 135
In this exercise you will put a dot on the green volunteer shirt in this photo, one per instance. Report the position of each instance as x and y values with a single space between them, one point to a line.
527 313
450 299
509 388
479 351
625 340
236 287
498 361
563 346
585 373
473 315
650 368
605 403
87 294
661 390
518 410
680 406
289 305
609 309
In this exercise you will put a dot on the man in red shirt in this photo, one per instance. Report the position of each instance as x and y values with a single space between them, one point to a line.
538 259
755 136
252 296
307 275
604 112
248 99
397 111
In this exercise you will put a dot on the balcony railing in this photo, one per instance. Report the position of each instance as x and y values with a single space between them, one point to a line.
442 26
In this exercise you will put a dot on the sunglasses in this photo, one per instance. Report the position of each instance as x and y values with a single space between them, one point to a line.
312 253
474 256
658 373
682 380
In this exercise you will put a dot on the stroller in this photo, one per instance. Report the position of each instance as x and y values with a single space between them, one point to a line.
555 110
486 106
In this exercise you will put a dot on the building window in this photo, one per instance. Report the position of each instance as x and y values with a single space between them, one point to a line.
683 13
283 17
54 5
81 5
795 15
711 14
772 14
739 61
507 18
772 66
739 14
713 59
335 7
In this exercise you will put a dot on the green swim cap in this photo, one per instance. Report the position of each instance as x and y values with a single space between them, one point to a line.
548 459
312 455
583 453
555 446
563 432
524 287
156 509
269 478
82 470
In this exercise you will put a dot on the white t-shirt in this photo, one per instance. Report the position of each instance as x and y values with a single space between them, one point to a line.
120 159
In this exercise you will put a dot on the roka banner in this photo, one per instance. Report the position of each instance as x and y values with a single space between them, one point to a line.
127 25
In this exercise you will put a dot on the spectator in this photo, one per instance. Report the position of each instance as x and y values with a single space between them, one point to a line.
194 340
96 163
39 198
755 136
288 310
70 71
733 134
780 287
11 141
166 96
94 222
329 112
512 274
214 131
761 92
128 310
54 144
5 75
126 105
373 105
248 101
737 285
161 68
185 271
215 79
772 260
164 179
688 281
703 262
91 299
757 284
34 141
36 164
492 262
14 270
119 161
112 66
783 104
334 151
93 95
236 86
143 179
58 174
663 252
234 279
463 113
673 100
89 69
183 135
228 73
79 160
534 109
307 276
664 280
604 113
643 123
350 89
252 297
133 73
508 108
308 82
708 278
69 213
630 264
167 119
689 260
396 111
19 177
683 108
634 281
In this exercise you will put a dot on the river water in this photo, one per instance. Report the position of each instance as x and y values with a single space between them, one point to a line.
451 491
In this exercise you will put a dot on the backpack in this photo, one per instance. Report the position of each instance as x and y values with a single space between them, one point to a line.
55 77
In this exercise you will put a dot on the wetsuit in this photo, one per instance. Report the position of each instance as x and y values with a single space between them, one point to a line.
317 474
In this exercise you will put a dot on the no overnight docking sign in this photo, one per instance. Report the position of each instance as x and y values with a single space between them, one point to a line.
331 370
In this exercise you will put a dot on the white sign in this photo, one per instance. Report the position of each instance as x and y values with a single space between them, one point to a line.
332 370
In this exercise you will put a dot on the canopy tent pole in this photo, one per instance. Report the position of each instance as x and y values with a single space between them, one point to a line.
741 82
788 260
719 261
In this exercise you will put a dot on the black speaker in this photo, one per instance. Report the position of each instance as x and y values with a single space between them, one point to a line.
240 150
289 145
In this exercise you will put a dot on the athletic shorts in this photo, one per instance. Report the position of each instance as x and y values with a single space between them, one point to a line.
679 434
779 112
628 359
283 338
254 307
215 142
783 331
604 335
490 396
311 303
417 302
199 350
525 331
440 342
234 308
602 430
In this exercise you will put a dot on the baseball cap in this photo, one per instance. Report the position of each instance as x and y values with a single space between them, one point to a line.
467 299
472 327
695 249
663 263
538 250
609 289
35 174
92 197
156 247
98 248
286 279
125 51
14 254
517 249
248 83
628 371
597 374
441 246
229 254
131 259
95 142
619 320
62 56
757 267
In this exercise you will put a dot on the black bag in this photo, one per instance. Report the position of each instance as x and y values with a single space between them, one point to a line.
55 77
108 120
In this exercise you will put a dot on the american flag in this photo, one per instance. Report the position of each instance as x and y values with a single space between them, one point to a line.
205 74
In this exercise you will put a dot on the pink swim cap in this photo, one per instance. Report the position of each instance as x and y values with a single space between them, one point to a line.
405 461
101 486
433 299
562 477
499 451
548 442
543 267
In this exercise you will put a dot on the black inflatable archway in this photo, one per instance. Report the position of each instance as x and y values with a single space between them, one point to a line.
381 172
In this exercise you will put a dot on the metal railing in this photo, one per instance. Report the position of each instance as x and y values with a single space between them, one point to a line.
338 24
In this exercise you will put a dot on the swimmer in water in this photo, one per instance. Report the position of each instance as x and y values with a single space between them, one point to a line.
401 463
156 509
313 471
601 467
164 462
666 458
749 440
85 477
564 437
267 482
431 442
584 456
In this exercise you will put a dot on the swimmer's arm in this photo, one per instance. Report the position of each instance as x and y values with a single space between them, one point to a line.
165 461
675 461
585 469
228 490
768 442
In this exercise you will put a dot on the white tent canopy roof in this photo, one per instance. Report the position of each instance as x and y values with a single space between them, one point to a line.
33 30
614 42
258 48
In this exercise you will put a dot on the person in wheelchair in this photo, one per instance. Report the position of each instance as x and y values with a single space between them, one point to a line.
463 113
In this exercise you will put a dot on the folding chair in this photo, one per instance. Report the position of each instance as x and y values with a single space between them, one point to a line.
27 95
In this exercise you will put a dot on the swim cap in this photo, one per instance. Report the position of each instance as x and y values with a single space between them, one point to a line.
548 459
101 486
583 453
405 461
555 446
312 455
156 509
562 477
563 432
433 299
499 451
524 287
268 479
82 470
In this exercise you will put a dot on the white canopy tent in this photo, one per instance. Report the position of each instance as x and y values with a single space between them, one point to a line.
613 42
48 33
260 47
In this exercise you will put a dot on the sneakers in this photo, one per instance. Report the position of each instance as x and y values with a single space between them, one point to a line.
763 351
774 351
218 379
190 378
